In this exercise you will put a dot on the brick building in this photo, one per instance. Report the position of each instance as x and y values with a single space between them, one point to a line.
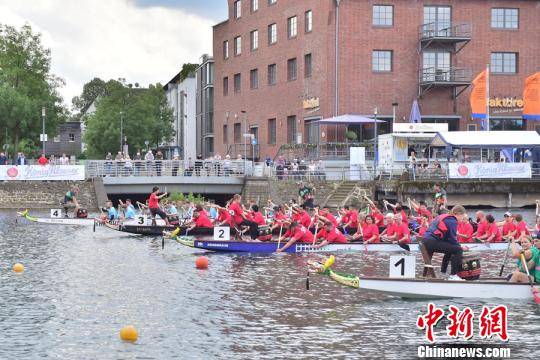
279 65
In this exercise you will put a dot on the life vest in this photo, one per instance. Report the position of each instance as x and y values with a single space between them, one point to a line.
438 228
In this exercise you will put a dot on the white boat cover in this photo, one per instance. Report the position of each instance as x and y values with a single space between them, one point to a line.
487 139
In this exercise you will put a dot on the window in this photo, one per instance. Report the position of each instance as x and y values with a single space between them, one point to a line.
307 66
254 79
308 17
225 86
291 129
504 63
237 82
237 45
438 20
292 29
254 40
271 131
237 9
71 137
506 124
382 60
226 49
254 5
471 127
436 66
291 69
272 74
272 2
504 18
237 133
56 139
383 15
272 34
225 134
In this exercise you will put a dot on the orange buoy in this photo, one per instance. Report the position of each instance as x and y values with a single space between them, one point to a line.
201 262
129 333
18 268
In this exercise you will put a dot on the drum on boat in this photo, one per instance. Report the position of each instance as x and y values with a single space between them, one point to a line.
470 267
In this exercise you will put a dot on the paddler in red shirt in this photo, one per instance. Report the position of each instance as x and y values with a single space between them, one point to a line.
403 234
424 224
200 220
240 218
279 219
296 233
522 230
368 231
464 231
153 205
421 209
509 229
390 233
224 218
301 216
376 213
330 235
398 211
481 230
351 217
325 212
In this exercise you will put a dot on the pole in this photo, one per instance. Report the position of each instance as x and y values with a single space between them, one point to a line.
336 107
487 97
375 147
43 128
121 132
245 139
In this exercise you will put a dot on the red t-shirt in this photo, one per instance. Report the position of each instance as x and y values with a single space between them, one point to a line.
494 229
203 221
258 218
425 212
482 228
237 212
304 219
345 218
391 229
369 231
43 161
403 215
223 215
379 218
353 218
303 235
336 237
422 230
466 229
331 218
403 231
153 201
508 227
522 227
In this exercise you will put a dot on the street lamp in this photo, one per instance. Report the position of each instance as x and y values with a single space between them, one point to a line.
121 131
43 128
376 155
245 139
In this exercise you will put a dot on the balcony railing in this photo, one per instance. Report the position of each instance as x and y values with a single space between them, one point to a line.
445 76
248 151
445 30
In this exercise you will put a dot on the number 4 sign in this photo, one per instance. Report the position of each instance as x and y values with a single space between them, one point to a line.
222 233
56 213
402 266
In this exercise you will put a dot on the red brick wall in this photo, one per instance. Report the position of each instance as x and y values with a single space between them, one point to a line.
360 89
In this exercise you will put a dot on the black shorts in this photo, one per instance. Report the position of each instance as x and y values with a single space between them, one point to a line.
159 212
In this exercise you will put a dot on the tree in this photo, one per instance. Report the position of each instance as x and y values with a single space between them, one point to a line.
145 114
26 85
91 91
187 70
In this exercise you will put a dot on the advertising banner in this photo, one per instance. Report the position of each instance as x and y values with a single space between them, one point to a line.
490 171
40 172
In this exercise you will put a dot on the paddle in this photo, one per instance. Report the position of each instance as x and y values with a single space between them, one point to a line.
315 235
534 291
505 257
279 238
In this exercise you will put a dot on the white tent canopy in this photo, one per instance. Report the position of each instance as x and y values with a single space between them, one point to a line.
487 139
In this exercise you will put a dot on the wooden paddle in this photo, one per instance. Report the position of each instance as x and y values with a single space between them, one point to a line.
505 257
315 235
534 291
279 238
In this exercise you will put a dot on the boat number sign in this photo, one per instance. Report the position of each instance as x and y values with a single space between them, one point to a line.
56 213
222 233
140 220
402 266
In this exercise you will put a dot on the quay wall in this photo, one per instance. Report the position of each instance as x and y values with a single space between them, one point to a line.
44 194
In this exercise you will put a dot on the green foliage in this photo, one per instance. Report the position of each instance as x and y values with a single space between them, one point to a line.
181 198
26 85
144 112
351 135
187 69
91 91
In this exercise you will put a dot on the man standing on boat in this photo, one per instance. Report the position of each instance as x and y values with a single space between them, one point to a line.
153 205
70 201
441 237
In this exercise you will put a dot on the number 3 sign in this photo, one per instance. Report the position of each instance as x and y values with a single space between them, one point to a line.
402 266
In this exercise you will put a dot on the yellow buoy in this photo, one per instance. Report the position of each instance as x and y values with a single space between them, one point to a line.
129 333
18 267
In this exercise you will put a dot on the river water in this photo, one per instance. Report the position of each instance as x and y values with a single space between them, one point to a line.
79 288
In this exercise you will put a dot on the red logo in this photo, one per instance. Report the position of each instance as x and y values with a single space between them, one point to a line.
12 172
463 170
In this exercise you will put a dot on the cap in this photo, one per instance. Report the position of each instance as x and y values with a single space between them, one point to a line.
507 214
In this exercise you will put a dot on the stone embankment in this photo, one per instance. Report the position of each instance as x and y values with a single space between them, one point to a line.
44 194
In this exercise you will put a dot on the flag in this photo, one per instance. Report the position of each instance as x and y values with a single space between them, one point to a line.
478 97
531 97
508 154
415 116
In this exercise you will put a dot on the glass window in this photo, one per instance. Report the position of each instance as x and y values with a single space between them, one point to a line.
225 86
272 34
237 9
271 131
382 60
307 65
272 74
504 63
272 2
292 29
453 124
471 127
291 69
383 15
254 5
436 66
56 139
237 133
237 45
254 40
497 124
308 21
226 49
254 78
291 129
504 18
225 134
237 82
71 137
438 20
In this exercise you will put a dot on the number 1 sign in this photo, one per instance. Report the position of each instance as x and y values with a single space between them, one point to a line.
402 266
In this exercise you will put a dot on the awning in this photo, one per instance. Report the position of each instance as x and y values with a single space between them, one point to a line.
487 139
427 136
347 120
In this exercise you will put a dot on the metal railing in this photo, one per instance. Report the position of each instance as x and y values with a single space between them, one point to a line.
122 168
445 75
445 30
323 151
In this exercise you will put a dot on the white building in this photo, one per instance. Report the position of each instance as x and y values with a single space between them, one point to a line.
181 96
